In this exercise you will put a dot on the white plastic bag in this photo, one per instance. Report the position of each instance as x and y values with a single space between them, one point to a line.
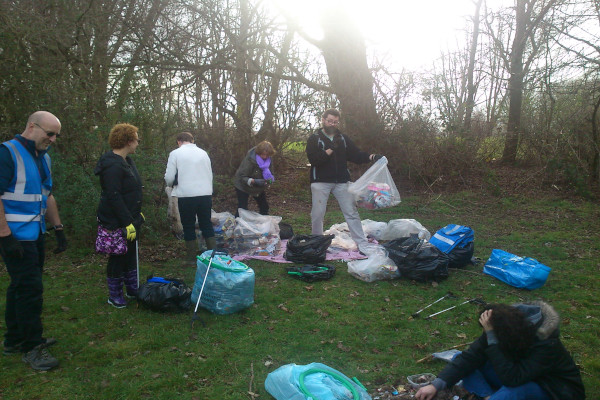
342 239
376 267
400 228
373 229
375 188
263 224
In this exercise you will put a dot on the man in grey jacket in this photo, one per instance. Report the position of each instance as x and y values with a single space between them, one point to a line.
189 172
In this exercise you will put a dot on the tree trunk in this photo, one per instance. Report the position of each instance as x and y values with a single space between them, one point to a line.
470 104
515 86
596 161
345 57
241 87
267 130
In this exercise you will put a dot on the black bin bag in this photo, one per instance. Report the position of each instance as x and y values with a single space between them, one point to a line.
460 257
165 294
308 249
418 259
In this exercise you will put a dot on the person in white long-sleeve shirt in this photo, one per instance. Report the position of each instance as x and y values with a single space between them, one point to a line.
189 172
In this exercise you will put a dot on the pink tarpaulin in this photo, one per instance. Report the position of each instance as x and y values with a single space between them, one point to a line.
333 254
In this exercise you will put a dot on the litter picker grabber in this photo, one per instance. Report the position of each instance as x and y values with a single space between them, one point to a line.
195 317
137 263
448 295
474 301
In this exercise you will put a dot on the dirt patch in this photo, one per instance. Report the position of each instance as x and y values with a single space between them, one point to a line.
406 392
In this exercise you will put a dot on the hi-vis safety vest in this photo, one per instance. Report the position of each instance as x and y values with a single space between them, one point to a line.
452 236
25 199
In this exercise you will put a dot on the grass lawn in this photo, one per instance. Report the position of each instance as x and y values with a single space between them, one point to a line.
361 329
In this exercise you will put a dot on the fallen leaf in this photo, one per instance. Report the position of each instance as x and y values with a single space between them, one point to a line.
342 347
283 308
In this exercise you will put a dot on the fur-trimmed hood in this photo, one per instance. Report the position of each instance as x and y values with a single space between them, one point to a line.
543 316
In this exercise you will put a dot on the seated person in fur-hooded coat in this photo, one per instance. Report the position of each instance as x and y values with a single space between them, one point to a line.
518 356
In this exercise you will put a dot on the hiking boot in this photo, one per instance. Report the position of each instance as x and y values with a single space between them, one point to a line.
10 350
39 358
115 292
18 348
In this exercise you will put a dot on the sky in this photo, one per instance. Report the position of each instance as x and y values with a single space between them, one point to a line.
411 32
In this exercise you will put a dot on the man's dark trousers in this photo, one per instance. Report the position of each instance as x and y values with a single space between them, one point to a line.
24 297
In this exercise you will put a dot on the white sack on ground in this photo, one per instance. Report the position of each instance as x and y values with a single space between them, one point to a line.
374 229
342 239
173 214
376 267
399 228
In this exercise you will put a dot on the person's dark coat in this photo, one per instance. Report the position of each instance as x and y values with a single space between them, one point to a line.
332 168
249 169
121 198
547 362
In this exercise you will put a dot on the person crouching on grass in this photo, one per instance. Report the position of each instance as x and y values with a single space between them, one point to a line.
253 176
519 356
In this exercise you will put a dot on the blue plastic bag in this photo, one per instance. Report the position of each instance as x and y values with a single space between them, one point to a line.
314 381
451 236
523 273
229 285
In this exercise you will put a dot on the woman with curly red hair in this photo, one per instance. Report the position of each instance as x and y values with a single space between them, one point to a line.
519 356
121 208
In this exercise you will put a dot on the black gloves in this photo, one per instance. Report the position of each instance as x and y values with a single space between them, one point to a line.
375 157
61 241
11 247
260 182
138 221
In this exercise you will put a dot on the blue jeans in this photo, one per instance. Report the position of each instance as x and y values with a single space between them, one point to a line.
484 382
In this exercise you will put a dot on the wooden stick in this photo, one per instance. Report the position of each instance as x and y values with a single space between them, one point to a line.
431 355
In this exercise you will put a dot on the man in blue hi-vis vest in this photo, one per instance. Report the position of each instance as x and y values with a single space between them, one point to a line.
27 201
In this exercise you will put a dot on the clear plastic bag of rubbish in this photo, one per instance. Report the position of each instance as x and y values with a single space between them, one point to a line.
258 245
374 229
229 285
401 228
313 381
375 268
223 223
257 223
375 188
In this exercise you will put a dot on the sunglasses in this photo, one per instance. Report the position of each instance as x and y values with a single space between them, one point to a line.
49 134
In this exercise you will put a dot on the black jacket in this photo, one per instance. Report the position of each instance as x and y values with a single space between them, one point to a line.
249 169
332 168
547 362
121 198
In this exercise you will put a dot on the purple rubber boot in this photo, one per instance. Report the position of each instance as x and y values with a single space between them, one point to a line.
131 284
115 292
